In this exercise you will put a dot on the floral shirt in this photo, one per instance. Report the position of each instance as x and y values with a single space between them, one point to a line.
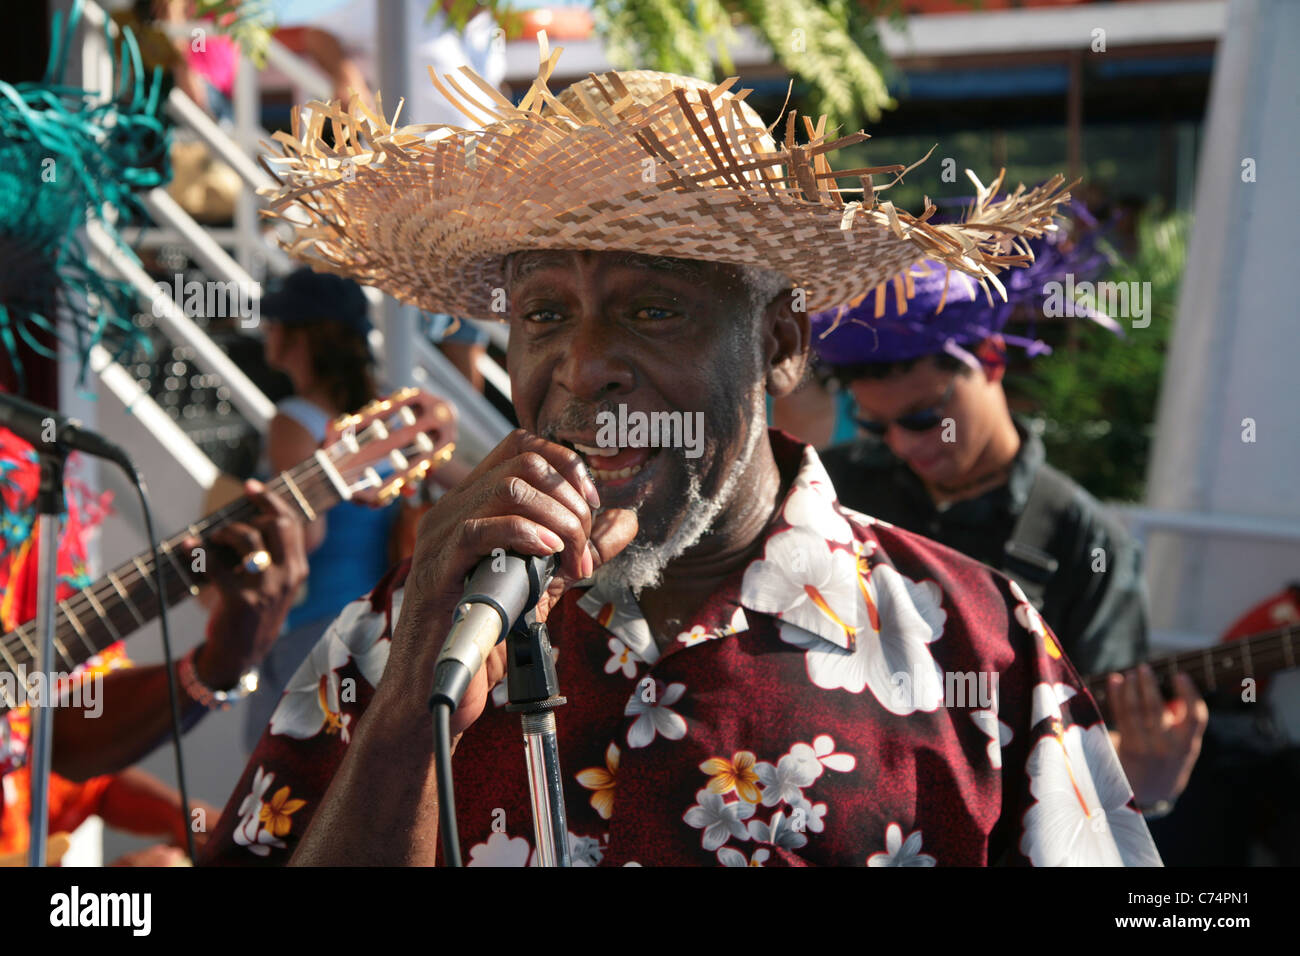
856 695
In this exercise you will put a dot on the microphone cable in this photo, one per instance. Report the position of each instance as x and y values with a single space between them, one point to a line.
442 711
137 479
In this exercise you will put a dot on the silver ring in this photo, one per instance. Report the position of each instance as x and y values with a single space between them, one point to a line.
257 561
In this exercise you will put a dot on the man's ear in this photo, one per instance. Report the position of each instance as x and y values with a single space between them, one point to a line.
787 337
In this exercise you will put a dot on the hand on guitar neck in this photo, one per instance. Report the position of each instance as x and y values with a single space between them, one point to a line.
1157 741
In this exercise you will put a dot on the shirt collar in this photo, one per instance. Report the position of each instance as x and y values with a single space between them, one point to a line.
1024 467
810 520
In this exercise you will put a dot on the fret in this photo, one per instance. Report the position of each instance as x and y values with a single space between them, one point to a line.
1246 668
59 649
126 599
1286 649
1208 667
76 626
99 610
30 648
62 651
9 659
332 473
298 496
145 575
184 578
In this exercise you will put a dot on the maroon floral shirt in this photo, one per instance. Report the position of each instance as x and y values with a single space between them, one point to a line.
856 695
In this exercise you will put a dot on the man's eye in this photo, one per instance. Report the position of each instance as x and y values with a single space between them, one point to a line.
542 316
654 314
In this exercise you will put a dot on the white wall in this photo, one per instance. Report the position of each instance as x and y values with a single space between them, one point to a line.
1236 342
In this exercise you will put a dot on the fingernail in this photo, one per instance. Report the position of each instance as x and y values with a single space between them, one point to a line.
550 540
589 487
588 565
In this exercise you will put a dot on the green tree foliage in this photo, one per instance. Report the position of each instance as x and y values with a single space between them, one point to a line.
1098 395
832 46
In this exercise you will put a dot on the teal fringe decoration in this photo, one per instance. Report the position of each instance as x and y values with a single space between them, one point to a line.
68 156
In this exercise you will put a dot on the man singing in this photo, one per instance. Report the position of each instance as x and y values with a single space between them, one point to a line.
756 675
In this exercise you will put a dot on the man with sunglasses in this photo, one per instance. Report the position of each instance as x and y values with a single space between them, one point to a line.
943 456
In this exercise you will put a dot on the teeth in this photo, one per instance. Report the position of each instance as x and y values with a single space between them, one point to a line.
597 452
615 475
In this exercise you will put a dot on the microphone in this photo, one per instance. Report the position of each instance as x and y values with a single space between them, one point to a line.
52 433
499 592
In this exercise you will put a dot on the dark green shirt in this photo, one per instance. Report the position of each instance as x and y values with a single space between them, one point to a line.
1099 615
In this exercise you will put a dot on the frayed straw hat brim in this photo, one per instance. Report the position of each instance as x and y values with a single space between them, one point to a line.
635 161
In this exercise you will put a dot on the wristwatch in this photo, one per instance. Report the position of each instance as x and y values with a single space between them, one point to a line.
205 695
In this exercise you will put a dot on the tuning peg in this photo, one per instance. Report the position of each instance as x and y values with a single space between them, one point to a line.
391 490
344 422
420 471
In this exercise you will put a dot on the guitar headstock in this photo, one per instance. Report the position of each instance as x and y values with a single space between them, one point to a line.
390 445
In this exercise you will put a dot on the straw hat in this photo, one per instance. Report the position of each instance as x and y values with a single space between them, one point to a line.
633 161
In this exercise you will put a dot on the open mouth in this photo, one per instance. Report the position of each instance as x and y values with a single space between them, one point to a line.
612 466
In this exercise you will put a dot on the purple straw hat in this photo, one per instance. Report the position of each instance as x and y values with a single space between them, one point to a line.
937 309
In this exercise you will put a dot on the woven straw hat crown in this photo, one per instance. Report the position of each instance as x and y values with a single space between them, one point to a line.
633 161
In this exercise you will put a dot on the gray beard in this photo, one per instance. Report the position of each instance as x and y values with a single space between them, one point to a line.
641 564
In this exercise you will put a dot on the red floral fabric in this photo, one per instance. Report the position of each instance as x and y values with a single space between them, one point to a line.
856 695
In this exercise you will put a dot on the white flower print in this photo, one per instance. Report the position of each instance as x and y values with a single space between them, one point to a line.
500 850
654 716
784 783
718 819
860 520
895 664
504 850
803 582
900 852
621 658
999 733
1081 815
822 754
1047 700
807 506
616 610
311 698
249 832
815 817
696 635
1029 618
729 856
778 832
583 851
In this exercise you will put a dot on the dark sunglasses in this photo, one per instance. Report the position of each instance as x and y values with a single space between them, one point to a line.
921 421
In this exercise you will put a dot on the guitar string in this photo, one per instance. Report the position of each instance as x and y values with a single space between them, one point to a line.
81 605
1266 651
313 475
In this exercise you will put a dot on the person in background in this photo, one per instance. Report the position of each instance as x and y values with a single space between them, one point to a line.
943 456
94 747
316 334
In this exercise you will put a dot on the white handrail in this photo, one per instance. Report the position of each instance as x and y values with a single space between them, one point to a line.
145 410
1143 520
215 260
256 407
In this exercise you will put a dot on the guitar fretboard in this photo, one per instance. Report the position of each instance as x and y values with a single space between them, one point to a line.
1222 666
126 598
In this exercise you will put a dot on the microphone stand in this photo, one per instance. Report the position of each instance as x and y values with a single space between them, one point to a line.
534 694
50 505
